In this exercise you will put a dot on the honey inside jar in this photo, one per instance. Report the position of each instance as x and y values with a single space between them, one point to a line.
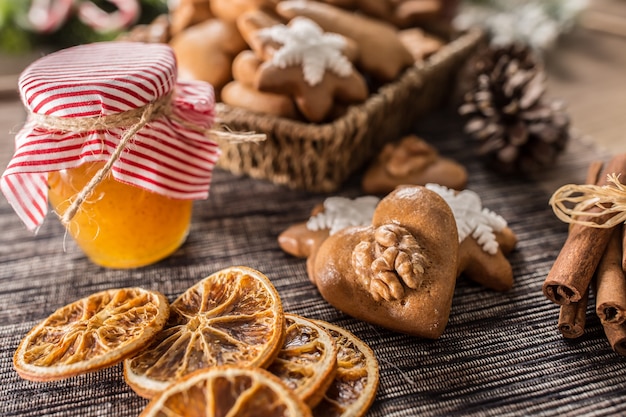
119 225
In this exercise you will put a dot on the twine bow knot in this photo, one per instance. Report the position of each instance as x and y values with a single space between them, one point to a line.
573 203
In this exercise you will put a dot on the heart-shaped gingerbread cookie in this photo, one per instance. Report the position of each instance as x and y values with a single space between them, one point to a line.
394 262
398 273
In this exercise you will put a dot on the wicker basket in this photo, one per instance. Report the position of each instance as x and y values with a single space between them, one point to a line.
320 157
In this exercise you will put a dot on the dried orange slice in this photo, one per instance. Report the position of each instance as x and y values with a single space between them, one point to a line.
308 360
354 388
227 391
233 316
91 333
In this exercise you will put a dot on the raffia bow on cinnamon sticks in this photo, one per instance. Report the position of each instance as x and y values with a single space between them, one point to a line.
593 254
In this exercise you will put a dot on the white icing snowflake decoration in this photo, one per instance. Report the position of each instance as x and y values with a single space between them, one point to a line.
471 218
341 212
305 43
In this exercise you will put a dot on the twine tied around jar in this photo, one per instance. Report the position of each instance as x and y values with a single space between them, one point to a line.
606 199
134 120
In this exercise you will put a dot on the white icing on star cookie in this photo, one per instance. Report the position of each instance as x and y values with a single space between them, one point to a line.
305 43
471 218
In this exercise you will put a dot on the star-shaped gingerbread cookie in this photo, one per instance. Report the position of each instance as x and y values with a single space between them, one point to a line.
314 102
310 66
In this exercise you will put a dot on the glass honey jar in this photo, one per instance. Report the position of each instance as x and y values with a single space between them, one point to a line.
116 146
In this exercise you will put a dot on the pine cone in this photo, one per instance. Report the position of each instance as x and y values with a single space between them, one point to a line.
518 129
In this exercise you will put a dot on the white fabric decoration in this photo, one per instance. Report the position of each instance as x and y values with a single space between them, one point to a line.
537 23
305 43
471 218
341 212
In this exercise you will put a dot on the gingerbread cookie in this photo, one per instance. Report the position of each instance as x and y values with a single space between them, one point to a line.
230 10
314 102
400 270
411 161
242 92
249 25
311 67
420 44
247 97
375 8
346 4
484 237
245 67
381 52
188 13
401 13
206 52
407 13
336 213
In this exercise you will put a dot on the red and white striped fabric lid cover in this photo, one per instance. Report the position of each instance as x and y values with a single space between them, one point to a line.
103 79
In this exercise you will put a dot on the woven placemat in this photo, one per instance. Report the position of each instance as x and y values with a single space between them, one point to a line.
501 353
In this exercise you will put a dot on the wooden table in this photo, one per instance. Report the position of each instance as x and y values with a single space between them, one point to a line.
500 354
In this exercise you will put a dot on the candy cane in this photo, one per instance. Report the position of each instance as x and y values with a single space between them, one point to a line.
48 15
127 13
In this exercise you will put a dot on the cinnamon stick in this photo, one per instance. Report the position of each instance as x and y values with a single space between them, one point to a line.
593 172
611 282
624 249
576 264
572 318
616 335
